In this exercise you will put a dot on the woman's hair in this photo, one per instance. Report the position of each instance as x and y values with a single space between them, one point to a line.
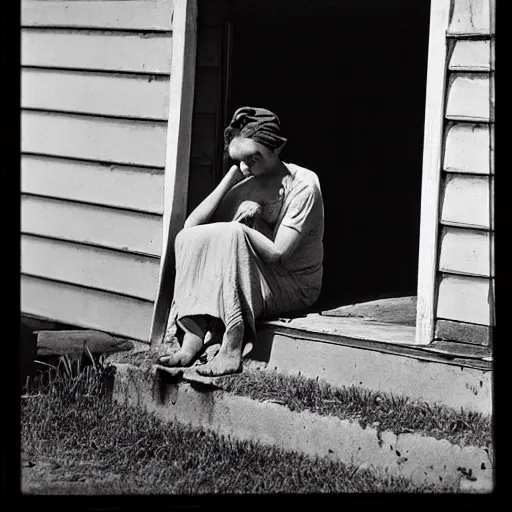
258 124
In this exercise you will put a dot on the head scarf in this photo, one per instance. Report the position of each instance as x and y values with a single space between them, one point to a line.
258 124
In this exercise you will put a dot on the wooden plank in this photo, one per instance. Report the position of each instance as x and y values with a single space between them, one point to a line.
431 170
471 55
109 185
81 49
467 149
203 139
107 94
472 18
395 310
179 136
463 332
154 15
466 251
466 201
94 267
94 138
469 98
72 343
357 328
459 350
465 299
104 227
209 46
207 90
87 308
362 345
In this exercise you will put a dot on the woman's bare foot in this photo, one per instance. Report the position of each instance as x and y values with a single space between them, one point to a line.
192 343
221 364
229 358
185 356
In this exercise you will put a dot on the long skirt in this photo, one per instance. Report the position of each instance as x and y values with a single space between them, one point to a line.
219 274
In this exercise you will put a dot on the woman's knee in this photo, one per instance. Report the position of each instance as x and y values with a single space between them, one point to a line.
182 235
234 227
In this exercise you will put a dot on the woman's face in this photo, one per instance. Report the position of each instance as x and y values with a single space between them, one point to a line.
252 157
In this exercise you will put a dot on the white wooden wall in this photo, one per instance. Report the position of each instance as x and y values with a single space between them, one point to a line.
466 245
95 99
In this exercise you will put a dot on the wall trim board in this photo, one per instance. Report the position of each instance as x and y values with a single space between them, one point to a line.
179 136
114 15
463 332
431 169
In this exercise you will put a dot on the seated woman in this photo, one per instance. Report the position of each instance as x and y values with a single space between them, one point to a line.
252 248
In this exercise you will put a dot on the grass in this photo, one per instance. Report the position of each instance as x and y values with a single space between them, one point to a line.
76 440
384 411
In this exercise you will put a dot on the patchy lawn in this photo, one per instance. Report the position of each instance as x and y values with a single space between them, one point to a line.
76 440
384 411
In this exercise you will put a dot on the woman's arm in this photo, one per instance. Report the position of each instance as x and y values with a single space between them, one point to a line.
274 252
304 209
203 213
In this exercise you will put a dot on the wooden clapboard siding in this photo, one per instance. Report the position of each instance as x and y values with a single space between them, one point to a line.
131 188
464 332
99 50
93 309
95 108
93 267
472 18
466 201
466 251
107 94
466 256
96 225
465 299
467 149
146 15
94 138
469 98
473 56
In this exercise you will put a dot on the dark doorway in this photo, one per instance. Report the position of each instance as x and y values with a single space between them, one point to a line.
347 79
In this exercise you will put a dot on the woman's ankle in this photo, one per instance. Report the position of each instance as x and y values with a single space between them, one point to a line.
191 343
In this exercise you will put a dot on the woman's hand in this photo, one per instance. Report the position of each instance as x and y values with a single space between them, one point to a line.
203 213
235 175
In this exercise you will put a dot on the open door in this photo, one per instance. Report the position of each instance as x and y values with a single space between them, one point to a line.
348 83
177 155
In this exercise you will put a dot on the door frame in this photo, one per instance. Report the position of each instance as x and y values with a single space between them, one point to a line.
178 161
178 143
440 11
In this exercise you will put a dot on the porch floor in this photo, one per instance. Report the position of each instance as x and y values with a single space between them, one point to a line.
385 325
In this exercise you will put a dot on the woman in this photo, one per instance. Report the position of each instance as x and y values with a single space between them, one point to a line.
252 248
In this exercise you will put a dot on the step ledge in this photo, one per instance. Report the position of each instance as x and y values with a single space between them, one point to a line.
421 458
420 352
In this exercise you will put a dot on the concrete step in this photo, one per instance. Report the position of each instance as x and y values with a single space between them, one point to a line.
343 352
201 403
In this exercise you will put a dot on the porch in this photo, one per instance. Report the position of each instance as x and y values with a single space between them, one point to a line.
371 344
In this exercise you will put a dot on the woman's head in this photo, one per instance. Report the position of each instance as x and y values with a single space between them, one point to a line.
254 139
